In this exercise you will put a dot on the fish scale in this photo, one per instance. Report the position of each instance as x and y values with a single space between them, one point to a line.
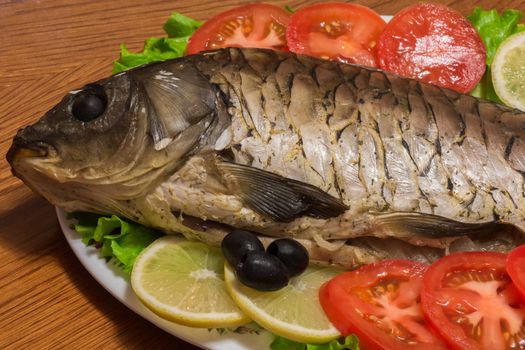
355 163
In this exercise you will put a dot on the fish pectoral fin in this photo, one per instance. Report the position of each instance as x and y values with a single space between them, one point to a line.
175 100
430 226
278 197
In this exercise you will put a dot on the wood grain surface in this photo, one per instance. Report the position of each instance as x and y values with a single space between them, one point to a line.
48 47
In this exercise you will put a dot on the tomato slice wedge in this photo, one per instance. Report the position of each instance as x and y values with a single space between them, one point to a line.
435 44
253 25
516 268
380 304
337 31
471 301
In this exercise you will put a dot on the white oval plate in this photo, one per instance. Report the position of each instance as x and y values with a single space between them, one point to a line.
116 283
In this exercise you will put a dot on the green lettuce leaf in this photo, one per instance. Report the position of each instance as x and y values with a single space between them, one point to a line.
493 29
180 26
179 29
348 343
116 238
485 88
289 9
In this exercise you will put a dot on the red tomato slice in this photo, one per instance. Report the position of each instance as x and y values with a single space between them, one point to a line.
380 304
516 268
471 301
254 25
337 31
435 44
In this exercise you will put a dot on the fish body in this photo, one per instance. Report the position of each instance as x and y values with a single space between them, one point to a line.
355 163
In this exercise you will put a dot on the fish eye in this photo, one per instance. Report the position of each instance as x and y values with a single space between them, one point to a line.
89 104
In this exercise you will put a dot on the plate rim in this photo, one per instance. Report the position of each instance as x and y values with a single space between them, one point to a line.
113 279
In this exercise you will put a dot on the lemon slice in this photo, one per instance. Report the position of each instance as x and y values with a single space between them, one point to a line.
293 312
508 71
183 281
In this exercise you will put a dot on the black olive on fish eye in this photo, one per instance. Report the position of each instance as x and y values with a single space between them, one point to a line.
292 253
88 105
262 271
238 243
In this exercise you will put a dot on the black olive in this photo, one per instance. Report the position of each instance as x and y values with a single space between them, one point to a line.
293 255
262 271
238 243
88 105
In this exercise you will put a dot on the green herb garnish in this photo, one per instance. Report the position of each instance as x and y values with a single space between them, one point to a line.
179 29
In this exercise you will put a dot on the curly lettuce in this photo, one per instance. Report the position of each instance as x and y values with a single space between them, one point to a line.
348 343
178 27
117 238
493 29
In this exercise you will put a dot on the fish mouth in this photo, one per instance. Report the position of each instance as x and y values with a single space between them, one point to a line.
22 151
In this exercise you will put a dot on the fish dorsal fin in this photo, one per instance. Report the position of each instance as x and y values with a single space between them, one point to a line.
176 99
405 224
277 197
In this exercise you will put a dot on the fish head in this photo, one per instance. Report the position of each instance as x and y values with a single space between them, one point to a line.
114 139
77 135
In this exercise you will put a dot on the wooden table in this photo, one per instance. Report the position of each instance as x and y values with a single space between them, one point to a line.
47 299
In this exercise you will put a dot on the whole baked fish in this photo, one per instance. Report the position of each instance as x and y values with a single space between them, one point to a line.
355 163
